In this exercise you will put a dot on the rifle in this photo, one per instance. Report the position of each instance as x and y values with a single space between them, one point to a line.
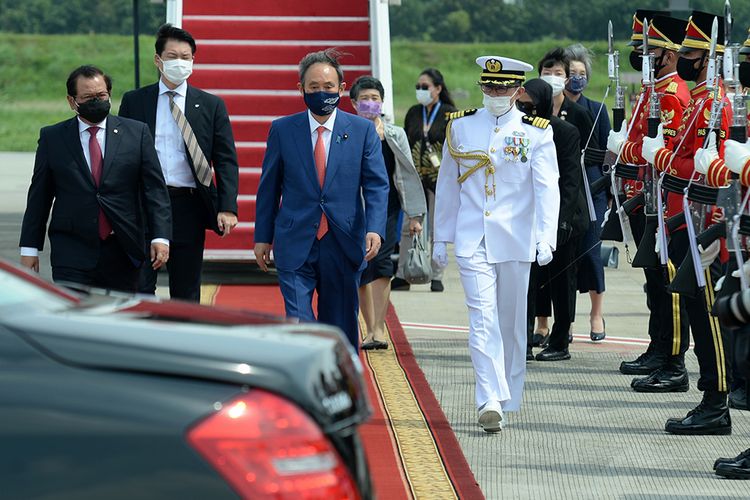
645 255
701 196
731 200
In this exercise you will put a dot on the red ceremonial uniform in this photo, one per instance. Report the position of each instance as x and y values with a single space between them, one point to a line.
678 160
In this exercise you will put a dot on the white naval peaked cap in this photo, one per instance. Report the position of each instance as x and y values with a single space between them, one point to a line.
498 70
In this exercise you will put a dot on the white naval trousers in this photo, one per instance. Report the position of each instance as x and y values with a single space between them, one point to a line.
496 298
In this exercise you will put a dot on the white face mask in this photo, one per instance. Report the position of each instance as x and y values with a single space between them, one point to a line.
424 97
556 82
499 105
177 70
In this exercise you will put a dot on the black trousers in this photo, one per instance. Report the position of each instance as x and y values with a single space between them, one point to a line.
114 270
668 327
713 346
185 262
554 286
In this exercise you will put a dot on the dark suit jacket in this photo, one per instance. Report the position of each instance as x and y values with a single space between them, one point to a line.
290 200
579 116
209 120
573 209
62 175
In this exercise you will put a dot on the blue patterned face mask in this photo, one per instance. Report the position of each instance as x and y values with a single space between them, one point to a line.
576 84
322 103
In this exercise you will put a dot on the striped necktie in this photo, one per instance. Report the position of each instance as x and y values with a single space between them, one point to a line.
202 168
319 155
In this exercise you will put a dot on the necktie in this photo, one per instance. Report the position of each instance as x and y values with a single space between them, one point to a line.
202 168
95 155
320 165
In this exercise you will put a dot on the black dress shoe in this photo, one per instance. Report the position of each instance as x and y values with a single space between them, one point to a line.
744 456
436 286
645 364
738 399
664 380
400 284
540 339
529 356
374 344
598 336
710 417
552 354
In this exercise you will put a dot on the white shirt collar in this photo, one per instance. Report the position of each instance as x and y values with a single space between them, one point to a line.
181 89
328 124
82 126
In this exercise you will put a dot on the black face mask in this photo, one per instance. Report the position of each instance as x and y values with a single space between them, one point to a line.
686 69
659 63
94 110
526 108
636 61
745 74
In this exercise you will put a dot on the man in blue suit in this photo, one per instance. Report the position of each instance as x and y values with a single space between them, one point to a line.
322 199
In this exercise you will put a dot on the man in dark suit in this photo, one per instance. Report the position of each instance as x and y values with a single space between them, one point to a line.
194 140
322 199
94 167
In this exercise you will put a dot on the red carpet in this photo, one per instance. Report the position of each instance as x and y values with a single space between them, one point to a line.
405 458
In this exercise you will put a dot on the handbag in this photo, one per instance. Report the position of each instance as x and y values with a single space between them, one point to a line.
610 256
418 266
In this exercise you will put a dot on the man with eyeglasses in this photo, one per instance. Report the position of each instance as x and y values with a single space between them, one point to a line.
497 201
94 167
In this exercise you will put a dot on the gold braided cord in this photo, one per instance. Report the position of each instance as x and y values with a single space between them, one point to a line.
482 158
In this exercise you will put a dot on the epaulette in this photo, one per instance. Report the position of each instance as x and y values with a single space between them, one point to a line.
459 114
671 88
536 121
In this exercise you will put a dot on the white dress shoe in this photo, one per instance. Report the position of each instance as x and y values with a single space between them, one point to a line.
491 417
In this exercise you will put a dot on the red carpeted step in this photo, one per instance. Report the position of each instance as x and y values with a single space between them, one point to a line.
276 8
249 179
238 53
229 77
250 130
278 29
241 238
246 207
250 155
268 105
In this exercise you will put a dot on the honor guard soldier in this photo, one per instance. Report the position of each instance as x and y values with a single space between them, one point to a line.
668 319
711 416
497 200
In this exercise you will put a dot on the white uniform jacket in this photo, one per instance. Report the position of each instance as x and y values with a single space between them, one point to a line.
525 206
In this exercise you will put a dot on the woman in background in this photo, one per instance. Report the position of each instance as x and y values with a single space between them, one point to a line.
590 267
406 194
425 127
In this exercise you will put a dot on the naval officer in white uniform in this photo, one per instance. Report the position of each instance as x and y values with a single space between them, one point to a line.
497 200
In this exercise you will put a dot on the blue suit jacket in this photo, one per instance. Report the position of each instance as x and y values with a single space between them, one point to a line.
354 196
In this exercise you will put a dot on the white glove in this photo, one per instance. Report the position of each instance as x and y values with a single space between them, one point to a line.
615 140
606 217
440 254
719 284
709 254
736 155
652 145
657 246
543 254
704 157
745 269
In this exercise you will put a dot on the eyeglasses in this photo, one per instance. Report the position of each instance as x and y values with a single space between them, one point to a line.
102 96
422 86
497 90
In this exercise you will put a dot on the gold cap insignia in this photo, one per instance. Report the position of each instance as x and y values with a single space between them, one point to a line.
493 66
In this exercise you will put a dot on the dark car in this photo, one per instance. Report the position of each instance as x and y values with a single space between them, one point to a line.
106 396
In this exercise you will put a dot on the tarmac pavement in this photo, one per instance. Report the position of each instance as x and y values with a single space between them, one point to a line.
582 433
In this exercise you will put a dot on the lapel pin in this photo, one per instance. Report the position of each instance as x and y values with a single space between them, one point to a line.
346 136
114 131
197 105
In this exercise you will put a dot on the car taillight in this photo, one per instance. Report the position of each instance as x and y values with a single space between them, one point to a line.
266 447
